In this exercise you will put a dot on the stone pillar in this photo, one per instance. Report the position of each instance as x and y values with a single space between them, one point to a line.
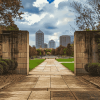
8 50
84 42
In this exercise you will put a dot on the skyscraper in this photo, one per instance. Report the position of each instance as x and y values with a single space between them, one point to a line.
64 40
51 44
39 39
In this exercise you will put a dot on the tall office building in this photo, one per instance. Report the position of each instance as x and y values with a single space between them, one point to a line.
39 39
64 40
45 45
51 44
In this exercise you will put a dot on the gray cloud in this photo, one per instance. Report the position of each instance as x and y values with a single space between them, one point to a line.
55 23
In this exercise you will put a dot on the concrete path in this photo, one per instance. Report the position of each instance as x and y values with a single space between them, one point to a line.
51 81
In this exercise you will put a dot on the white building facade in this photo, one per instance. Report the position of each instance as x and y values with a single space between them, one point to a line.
52 44
39 39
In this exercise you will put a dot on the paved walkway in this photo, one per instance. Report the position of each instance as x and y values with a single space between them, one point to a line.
51 81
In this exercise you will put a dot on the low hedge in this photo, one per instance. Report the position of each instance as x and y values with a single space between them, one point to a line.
98 70
87 67
7 65
12 65
7 61
93 68
15 66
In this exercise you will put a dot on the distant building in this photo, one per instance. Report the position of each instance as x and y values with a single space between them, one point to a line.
52 44
72 39
64 40
45 45
33 45
39 39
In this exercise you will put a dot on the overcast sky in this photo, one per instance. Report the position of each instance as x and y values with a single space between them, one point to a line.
52 17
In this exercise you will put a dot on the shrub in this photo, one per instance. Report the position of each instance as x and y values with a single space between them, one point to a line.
12 65
1 69
16 64
93 68
5 66
86 67
0 58
98 69
8 63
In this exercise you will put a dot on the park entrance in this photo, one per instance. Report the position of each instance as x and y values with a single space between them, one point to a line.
15 45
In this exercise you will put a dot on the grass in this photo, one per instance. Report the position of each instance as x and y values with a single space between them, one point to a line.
65 60
34 63
35 59
70 66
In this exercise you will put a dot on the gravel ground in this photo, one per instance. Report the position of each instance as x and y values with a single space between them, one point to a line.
10 78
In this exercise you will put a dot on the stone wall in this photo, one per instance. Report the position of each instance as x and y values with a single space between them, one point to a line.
15 45
85 50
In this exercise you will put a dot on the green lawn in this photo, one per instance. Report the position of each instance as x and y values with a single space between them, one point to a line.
65 60
70 66
34 63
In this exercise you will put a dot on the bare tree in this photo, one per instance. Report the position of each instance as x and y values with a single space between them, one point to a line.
87 18
98 27
95 4
8 10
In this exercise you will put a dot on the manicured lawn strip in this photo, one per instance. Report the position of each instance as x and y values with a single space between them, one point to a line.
70 66
34 63
34 59
65 60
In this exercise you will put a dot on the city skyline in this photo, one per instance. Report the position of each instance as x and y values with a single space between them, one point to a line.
40 36
54 19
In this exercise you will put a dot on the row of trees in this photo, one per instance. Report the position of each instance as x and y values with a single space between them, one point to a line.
61 50
34 52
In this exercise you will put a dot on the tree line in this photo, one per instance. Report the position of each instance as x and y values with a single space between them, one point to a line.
61 50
